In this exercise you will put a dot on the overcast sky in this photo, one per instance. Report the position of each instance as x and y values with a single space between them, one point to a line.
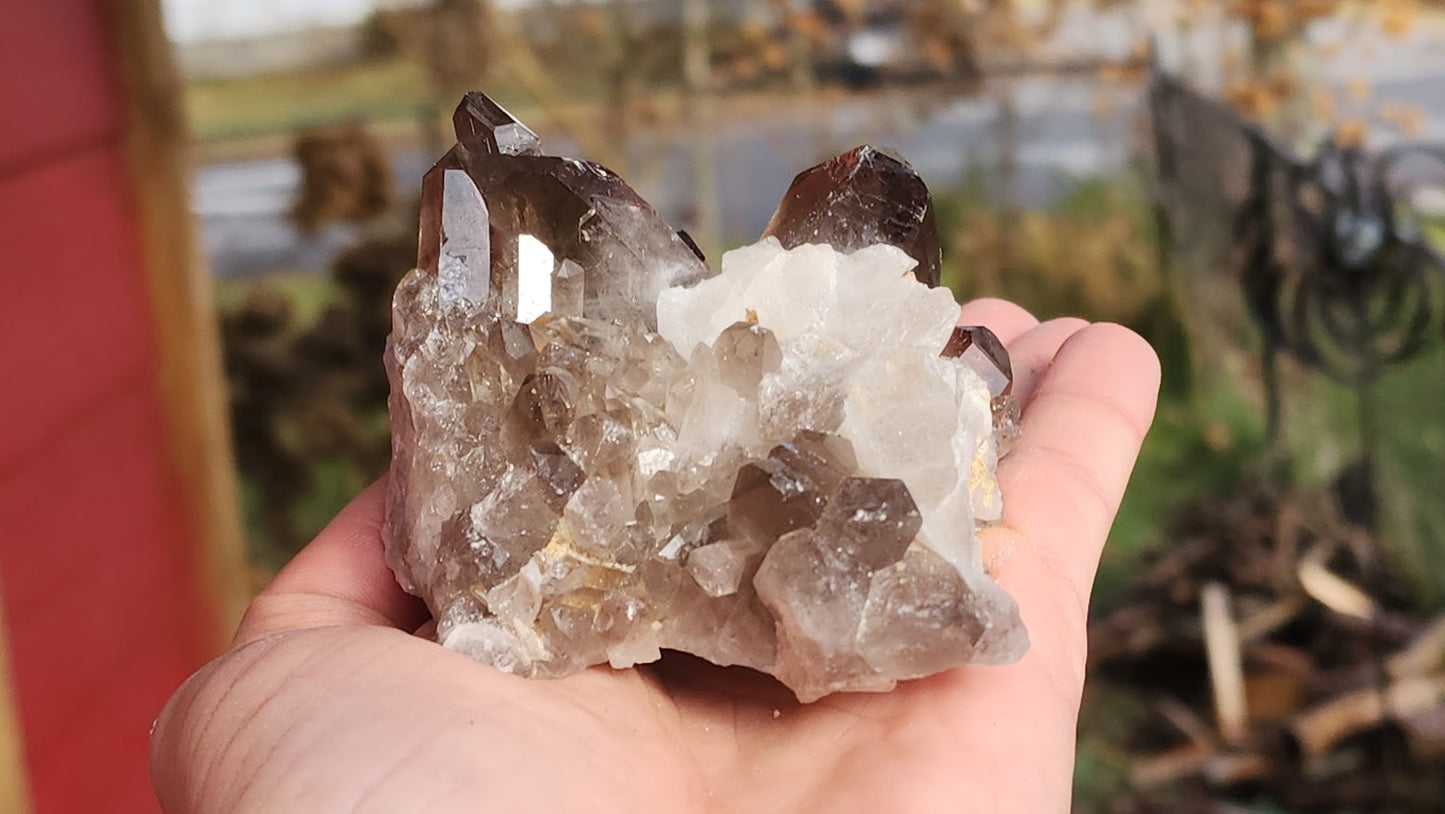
189 20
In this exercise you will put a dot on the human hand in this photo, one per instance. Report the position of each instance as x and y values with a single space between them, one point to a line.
327 701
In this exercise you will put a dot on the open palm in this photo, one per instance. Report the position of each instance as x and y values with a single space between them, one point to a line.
328 702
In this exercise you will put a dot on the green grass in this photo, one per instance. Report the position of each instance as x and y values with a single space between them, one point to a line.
1433 227
1435 235
261 105
1203 441
1101 766
336 481
1197 446
308 293
1322 433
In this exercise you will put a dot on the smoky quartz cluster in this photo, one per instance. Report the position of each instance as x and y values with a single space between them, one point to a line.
601 450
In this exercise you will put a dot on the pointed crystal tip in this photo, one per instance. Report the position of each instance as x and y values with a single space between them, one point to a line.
863 197
480 118
981 350
516 234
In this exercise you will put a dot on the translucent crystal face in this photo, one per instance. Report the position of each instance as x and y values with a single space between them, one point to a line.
862 198
600 454
533 234
479 119
981 350
978 348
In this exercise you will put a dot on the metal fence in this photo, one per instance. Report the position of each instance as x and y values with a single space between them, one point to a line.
1335 266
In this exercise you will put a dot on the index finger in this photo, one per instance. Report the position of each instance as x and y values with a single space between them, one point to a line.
1082 429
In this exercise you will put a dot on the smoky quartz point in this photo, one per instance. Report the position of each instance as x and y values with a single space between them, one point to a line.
601 452
479 119
861 198
522 234
980 349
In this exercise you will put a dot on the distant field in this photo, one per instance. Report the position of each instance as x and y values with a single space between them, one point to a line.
307 294
249 107
256 115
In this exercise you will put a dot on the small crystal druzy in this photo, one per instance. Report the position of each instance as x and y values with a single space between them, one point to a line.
600 452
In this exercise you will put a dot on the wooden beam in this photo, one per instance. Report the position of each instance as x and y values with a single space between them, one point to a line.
14 780
186 334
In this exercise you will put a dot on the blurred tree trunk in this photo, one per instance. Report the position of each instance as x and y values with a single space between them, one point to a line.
800 50
621 82
458 58
1007 136
1279 58
473 41
697 70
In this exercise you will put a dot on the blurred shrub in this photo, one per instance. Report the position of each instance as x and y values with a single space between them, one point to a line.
1093 254
389 33
308 393
304 359
345 176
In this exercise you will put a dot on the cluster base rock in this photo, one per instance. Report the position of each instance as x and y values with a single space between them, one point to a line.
601 452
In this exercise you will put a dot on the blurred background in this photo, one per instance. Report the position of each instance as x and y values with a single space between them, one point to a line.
1250 184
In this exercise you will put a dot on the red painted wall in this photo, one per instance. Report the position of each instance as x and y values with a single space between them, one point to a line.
100 590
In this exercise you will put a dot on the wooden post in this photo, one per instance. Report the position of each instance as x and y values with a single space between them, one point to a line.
187 338
14 780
